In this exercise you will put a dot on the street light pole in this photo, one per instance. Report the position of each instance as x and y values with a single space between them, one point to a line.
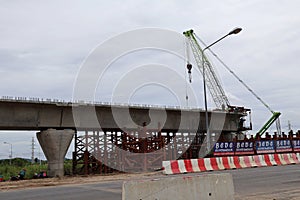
10 155
234 31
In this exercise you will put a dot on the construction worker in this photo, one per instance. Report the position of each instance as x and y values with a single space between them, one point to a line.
22 174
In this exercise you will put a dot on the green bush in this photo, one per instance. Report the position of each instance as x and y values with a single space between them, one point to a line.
68 165
7 170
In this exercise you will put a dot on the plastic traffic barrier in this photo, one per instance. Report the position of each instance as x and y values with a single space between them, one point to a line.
230 162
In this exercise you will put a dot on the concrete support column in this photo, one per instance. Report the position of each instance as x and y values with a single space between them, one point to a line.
55 144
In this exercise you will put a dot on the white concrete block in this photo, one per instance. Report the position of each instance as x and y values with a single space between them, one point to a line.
204 187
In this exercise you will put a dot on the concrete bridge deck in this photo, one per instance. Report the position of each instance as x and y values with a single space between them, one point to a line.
41 115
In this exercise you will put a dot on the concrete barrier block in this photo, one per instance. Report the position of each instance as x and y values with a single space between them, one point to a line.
204 187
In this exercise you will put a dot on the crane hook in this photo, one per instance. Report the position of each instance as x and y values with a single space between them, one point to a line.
189 67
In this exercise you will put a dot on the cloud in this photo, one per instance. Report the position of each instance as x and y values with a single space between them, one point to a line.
43 45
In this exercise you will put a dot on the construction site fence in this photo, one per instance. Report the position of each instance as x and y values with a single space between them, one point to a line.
268 145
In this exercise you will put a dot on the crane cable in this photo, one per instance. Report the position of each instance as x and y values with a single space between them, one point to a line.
278 127
187 56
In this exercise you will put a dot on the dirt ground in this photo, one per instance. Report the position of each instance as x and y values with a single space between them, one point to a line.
34 183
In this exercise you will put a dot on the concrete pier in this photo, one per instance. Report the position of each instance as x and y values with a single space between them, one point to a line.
55 144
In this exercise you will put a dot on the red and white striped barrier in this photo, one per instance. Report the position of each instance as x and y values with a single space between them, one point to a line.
270 159
298 156
230 162
247 161
287 159
260 160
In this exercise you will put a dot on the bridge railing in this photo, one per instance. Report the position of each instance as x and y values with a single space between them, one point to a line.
58 101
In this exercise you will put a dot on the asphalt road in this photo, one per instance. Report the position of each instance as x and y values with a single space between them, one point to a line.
280 182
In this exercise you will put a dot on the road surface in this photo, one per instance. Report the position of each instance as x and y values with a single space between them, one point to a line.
280 182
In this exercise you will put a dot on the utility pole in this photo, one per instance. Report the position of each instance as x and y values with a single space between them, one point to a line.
32 150
234 31
11 152
289 125
40 156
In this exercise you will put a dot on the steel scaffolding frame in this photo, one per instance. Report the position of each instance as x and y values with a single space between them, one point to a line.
141 149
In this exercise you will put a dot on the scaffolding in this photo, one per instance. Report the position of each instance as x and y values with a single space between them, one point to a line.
134 150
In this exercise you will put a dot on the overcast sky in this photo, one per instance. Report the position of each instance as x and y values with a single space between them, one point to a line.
44 43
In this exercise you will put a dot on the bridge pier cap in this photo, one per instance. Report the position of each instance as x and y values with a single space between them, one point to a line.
55 144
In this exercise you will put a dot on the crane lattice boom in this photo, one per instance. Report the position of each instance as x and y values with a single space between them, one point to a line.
212 81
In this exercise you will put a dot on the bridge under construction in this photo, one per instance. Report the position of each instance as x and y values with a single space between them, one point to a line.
139 144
